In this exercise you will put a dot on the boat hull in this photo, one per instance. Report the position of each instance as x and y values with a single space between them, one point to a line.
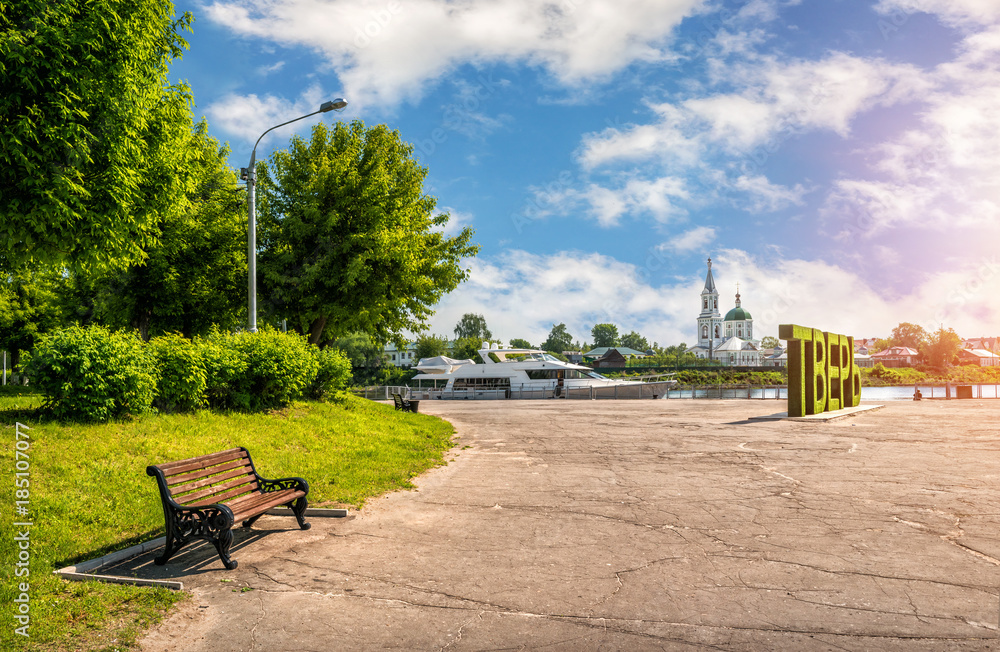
652 390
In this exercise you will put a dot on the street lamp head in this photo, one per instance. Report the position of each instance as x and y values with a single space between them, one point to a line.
338 104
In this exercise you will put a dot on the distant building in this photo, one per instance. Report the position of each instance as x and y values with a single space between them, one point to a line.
611 358
406 357
601 351
728 340
777 357
863 360
982 357
864 345
991 344
896 356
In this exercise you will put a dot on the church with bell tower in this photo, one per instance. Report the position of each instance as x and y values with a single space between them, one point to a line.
728 340
709 321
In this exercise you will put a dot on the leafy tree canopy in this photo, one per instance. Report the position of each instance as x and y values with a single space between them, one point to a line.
635 341
359 349
88 128
907 334
194 277
675 356
429 346
559 339
941 347
473 325
880 344
769 342
467 348
605 335
28 308
349 240
518 343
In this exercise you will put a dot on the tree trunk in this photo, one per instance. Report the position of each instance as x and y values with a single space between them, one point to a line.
316 330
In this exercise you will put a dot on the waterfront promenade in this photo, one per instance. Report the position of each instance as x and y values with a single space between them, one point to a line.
636 525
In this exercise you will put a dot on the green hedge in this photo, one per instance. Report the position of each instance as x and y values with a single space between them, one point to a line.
93 374
183 378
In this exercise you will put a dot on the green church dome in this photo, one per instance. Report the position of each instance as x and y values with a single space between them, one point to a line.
738 314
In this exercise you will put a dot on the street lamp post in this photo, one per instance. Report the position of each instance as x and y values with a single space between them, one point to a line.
249 174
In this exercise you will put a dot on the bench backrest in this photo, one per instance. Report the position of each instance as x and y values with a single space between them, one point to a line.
210 479
398 400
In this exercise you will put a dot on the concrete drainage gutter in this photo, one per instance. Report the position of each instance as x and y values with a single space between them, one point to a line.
84 571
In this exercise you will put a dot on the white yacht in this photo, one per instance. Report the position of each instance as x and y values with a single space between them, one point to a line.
525 373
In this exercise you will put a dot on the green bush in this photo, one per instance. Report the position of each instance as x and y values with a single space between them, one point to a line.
262 370
92 374
182 374
224 369
333 375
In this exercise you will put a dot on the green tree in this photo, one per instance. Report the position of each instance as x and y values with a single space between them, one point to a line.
676 356
88 128
359 349
635 341
605 335
28 309
467 348
473 325
907 334
430 346
880 344
941 347
769 342
518 343
194 277
559 339
349 240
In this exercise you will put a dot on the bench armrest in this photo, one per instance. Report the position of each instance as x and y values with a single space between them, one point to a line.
205 520
267 486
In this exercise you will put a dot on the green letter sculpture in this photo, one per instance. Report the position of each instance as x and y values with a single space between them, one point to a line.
821 372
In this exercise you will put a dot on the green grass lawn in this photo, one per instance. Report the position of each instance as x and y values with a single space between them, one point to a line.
90 495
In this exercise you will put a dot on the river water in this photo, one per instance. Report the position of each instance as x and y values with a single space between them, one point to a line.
904 393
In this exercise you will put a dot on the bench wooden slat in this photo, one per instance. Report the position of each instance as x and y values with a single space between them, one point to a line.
244 503
187 477
220 493
263 502
224 498
181 466
215 479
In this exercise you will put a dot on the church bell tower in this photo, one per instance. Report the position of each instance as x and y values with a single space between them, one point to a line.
709 321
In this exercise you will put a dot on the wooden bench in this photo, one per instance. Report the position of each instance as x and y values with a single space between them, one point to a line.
203 497
403 404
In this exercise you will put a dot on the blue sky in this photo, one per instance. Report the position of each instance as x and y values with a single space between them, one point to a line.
837 158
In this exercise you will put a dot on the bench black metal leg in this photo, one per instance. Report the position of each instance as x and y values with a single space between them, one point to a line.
251 521
168 551
299 509
222 544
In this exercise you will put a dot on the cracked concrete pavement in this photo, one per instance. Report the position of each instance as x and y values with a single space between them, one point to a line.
634 525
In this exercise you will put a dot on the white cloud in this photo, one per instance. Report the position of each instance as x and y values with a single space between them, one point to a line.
274 67
940 173
691 240
775 100
388 52
524 295
456 222
657 198
249 116
956 12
